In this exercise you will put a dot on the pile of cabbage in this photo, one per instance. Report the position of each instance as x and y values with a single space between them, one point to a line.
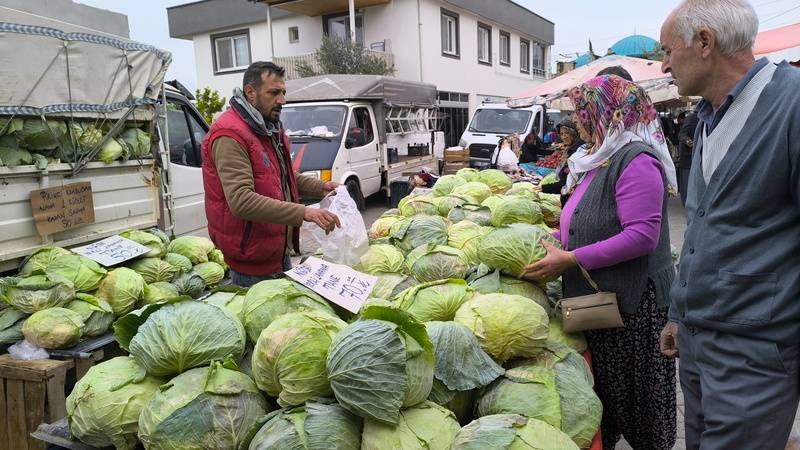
57 298
34 141
453 350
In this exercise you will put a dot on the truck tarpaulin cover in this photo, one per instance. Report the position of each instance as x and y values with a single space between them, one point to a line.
388 90
52 72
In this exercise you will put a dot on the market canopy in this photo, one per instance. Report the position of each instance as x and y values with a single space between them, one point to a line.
779 44
645 72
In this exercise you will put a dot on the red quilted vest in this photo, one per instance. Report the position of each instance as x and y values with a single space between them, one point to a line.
250 248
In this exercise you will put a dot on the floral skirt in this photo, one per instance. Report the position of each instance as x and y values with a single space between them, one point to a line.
634 381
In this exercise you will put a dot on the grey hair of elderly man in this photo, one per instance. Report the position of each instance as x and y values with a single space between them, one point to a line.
735 304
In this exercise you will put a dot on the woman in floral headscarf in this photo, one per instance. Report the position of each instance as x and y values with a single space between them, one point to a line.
615 225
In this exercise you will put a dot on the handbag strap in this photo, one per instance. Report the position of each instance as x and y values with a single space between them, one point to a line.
589 278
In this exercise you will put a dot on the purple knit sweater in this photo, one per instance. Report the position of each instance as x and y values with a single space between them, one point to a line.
640 191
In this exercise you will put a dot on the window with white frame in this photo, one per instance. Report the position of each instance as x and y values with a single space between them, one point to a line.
484 44
294 35
525 56
537 62
450 44
505 48
231 51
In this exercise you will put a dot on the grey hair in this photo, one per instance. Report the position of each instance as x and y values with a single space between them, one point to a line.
734 23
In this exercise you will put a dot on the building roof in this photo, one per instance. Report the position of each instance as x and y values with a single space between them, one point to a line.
635 45
512 15
208 15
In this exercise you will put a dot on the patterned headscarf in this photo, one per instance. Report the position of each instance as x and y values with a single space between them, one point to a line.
615 112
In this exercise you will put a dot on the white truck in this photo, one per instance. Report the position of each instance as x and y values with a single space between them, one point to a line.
493 121
364 131
77 81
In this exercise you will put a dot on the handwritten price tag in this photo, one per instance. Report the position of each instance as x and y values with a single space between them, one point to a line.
62 208
340 284
112 250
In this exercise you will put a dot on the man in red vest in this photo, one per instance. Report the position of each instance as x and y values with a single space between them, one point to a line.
251 190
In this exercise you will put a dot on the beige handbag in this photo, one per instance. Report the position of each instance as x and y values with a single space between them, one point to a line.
590 312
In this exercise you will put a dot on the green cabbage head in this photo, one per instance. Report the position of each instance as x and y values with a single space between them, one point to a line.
468 174
446 183
158 292
575 341
154 243
154 269
381 363
289 356
475 191
493 282
121 288
196 248
182 335
96 314
448 202
11 322
382 258
211 273
510 210
466 236
181 262
269 299
316 425
514 247
477 214
35 293
382 227
433 262
412 232
391 284
418 204
37 263
189 283
426 426
53 328
555 387
81 272
230 299
497 180
525 190
207 407
507 326
104 406
112 150
38 135
511 432
435 300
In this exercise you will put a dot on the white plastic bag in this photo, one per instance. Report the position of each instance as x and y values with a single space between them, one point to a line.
26 351
343 245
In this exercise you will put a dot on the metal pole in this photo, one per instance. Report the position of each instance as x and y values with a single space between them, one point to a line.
352 21
271 39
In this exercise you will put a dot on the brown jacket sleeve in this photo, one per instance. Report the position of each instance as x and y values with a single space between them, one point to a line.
310 186
236 175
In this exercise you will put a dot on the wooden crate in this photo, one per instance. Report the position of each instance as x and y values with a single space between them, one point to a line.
31 392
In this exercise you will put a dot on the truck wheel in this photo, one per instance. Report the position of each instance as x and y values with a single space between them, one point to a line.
355 192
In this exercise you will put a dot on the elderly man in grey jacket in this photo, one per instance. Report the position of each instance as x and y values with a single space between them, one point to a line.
735 304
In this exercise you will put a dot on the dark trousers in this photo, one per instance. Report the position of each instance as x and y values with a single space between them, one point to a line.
739 392
245 281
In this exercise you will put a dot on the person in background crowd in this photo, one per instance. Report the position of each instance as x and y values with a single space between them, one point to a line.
735 314
251 190
615 225
532 149
685 146
616 70
551 137
570 143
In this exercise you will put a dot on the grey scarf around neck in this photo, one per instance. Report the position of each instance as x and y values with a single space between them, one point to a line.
251 115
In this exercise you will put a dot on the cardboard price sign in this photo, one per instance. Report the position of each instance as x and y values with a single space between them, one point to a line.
340 284
62 208
112 250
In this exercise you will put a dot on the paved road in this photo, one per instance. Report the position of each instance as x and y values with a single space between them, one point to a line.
677 225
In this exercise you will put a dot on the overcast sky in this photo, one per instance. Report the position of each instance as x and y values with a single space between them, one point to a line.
576 22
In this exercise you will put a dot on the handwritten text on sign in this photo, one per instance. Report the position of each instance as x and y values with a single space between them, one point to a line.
112 250
340 284
62 208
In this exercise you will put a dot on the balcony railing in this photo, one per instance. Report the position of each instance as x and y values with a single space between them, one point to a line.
290 63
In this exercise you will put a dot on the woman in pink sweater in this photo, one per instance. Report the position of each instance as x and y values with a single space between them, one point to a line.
615 226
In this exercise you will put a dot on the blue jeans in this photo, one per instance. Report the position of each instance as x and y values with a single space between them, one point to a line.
245 281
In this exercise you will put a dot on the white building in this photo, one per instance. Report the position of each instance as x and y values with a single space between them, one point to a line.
472 50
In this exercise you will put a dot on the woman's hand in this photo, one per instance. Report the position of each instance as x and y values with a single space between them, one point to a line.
552 265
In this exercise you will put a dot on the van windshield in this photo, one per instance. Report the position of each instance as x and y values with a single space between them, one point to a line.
324 121
500 121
